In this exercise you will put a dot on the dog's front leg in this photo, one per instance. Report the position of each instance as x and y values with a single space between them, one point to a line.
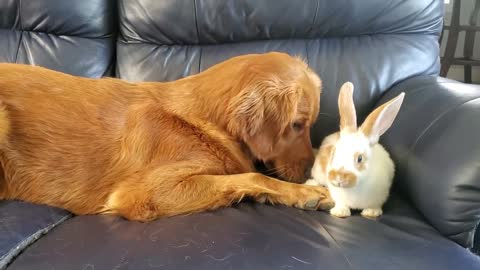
266 189
181 189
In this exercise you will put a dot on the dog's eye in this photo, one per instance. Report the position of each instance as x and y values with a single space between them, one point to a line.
298 126
359 158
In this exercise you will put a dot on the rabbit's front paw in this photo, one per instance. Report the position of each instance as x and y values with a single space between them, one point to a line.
340 211
372 212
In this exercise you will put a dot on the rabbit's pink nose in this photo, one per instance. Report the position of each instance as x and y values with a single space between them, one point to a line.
342 178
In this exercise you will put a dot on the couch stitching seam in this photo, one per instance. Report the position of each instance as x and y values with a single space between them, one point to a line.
109 36
129 40
198 34
19 11
315 15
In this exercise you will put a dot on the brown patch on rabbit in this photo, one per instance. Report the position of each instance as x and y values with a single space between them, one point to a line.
342 178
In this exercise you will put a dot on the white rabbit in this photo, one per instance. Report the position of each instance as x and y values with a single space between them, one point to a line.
357 170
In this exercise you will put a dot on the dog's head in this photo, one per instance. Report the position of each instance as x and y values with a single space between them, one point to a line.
277 102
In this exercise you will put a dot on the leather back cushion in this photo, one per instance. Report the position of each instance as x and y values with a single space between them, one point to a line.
374 44
75 37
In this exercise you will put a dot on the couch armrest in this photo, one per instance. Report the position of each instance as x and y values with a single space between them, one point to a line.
435 142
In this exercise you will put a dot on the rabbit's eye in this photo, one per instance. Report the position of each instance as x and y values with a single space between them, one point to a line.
360 161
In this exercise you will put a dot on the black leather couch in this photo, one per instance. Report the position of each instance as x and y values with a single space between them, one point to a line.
383 47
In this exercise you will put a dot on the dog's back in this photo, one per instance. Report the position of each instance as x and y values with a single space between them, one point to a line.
56 129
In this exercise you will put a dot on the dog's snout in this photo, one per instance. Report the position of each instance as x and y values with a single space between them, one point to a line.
308 168
308 172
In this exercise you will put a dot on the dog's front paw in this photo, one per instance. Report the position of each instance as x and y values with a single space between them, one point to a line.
372 212
340 211
313 198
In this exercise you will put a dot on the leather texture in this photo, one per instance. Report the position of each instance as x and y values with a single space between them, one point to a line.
183 22
435 143
250 236
23 223
476 244
76 37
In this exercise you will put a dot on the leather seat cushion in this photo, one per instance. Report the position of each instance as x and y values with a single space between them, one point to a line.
250 236
22 224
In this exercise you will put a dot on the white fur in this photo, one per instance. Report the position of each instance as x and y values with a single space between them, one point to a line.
339 152
373 184
318 172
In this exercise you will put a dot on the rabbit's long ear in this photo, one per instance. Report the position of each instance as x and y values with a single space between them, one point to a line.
348 116
381 119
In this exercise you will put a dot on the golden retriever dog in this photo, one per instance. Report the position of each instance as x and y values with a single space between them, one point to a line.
150 150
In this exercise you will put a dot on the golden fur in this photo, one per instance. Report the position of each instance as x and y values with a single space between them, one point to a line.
149 150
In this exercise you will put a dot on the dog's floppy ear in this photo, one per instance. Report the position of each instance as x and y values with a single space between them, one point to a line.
248 112
260 114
